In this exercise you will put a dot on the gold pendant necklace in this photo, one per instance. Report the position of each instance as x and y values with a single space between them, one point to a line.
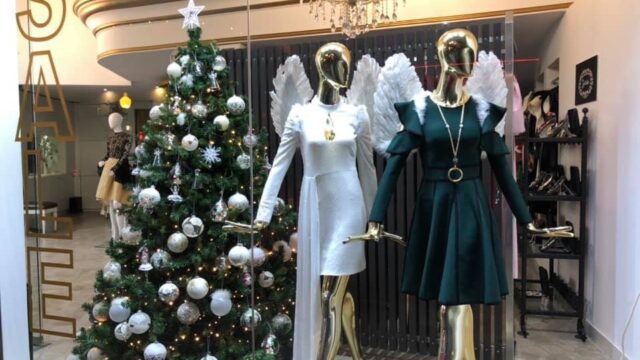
329 132
455 173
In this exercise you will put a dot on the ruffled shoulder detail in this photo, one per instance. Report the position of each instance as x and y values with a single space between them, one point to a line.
408 114
294 118
361 120
489 114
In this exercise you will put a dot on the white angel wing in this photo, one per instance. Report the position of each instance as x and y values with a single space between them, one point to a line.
397 82
291 86
487 85
363 86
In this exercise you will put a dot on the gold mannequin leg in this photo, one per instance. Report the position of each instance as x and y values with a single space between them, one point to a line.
459 323
333 291
349 326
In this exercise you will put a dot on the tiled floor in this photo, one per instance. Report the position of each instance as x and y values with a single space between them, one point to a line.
549 339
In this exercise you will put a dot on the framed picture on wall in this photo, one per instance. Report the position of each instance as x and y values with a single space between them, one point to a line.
587 81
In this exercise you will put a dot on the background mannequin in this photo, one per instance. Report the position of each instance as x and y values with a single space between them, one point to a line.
114 172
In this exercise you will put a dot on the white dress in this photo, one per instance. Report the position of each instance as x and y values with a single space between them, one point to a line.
335 199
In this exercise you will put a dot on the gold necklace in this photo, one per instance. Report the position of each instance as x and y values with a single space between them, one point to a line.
454 170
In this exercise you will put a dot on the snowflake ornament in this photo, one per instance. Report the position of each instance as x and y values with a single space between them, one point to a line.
211 155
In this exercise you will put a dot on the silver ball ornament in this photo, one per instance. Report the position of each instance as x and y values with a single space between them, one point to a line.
100 311
247 279
73 357
238 202
122 331
258 256
250 318
112 271
95 354
281 324
266 279
221 302
160 259
130 236
279 207
239 255
236 105
140 152
174 70
155 113
270 344
155 351
119 310
168 292
192 226
250 140
243 161
177 242
209 357
219 63
222 122
197 288
293 241
219 211
199 110
189 142
139 322
188 313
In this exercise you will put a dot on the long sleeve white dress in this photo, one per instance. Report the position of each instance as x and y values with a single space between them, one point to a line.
336 196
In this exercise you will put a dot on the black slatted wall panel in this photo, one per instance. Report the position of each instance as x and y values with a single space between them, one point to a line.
387 319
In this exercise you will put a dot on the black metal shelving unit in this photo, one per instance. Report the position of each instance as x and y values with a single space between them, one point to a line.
571 302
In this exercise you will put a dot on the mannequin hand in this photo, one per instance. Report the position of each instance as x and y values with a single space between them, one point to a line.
101 163
375 232
561 231
240 228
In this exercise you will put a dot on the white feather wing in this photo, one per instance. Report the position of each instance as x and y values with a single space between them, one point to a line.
487 84
291 86
397 82
363 86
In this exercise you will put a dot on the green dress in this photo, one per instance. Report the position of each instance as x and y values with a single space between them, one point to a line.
454 252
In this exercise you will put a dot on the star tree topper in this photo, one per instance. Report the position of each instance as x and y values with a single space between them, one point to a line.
190 14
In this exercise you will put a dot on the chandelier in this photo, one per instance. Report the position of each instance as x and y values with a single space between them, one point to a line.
355 17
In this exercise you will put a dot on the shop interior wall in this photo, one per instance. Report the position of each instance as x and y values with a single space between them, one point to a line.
609 30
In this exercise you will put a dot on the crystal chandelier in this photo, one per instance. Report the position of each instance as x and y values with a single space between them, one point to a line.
355 17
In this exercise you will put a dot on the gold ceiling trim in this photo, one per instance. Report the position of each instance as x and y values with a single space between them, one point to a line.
85 8
327 31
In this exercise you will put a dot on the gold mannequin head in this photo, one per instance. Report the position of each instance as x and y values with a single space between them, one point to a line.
333 61
457 51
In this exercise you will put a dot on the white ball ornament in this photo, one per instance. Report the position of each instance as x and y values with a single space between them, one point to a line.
100 311
193 226
174 70
119 310
155 351
266 279
239 255
197 288
293 241
177 242
236 105
188 313
221 302
149 197
122 331
281 324
139 322
209 357
168 292
222 122
130 236
112 271
243 161
95 354
238 202
258 256
189 142
250 318
155 113
181 119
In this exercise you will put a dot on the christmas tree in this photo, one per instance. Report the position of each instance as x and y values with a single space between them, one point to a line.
177 285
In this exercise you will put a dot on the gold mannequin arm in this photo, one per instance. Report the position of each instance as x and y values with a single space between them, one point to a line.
240 228
560 231
375 231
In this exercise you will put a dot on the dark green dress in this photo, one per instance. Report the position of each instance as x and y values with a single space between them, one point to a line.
454 250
